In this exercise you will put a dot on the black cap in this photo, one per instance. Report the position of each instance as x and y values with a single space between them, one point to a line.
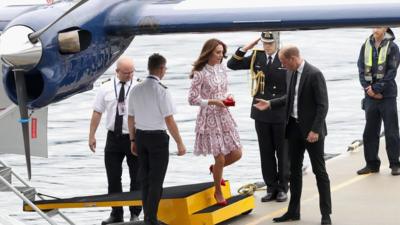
267 37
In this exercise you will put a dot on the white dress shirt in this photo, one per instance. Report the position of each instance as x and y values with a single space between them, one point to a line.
150 102
272 56
295 100
107 100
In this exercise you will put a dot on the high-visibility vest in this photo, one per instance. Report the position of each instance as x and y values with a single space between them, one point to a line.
368 55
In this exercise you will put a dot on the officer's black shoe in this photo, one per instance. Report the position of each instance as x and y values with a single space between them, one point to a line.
367 170
151 222
269 197
395 171
281 196
326 220
134 218
112 219
287 217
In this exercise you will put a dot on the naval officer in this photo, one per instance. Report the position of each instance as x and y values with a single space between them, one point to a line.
112 99
151 112
268 82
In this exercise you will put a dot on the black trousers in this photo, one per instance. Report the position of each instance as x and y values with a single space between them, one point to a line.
375 112
118 148
297 147
274 155
153 151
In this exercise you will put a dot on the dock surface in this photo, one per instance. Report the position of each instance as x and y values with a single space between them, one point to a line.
372 199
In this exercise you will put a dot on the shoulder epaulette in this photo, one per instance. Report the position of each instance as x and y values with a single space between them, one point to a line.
162 85
105 81
258 50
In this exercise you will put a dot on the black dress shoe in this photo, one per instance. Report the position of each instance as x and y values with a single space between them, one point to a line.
281 196
134 218
326 220
112 219
269 197
287 217
367 170
395 171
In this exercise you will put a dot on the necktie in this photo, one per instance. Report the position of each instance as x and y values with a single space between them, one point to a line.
118 117
292 90
269 61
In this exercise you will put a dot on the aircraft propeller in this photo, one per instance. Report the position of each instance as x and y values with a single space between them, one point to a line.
21 49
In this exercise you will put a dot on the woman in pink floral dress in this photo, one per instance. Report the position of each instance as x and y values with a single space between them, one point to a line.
216 132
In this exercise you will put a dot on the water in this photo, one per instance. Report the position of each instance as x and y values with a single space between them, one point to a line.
72 170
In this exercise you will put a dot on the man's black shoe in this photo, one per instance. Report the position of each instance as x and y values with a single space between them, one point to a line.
287 217
395 171
281 196
367 170
269 197
326 220
112 219
134 218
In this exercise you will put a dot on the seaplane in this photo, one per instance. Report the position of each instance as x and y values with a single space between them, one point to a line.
50 52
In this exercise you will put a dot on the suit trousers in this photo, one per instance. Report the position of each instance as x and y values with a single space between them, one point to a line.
274 155
375 112
297 146
153 151
118 148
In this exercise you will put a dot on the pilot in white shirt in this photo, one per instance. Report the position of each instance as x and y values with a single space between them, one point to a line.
151 112
112 99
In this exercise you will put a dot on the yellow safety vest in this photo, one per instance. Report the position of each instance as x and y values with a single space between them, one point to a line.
381 61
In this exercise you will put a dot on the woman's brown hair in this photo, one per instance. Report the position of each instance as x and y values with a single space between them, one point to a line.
205 53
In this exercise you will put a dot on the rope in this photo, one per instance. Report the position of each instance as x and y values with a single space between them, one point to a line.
249 189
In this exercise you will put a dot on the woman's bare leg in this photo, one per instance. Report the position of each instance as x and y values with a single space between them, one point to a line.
233 157
217 175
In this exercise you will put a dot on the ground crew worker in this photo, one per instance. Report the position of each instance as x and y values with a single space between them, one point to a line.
377 65
112 99
150 113
268 82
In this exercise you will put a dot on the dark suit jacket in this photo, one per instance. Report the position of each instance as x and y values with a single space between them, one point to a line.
312 102
275 83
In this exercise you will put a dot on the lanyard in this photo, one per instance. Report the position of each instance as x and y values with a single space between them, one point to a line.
115 89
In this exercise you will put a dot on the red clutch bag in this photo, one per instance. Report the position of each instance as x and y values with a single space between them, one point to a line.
229 101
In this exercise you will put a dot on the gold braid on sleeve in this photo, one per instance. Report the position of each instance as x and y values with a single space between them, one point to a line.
257 79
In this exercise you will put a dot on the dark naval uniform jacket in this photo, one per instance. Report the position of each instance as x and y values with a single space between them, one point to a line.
275 82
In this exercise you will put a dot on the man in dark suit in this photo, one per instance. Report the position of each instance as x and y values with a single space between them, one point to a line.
269 82
307 106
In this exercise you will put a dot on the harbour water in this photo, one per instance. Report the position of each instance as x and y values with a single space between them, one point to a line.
73 170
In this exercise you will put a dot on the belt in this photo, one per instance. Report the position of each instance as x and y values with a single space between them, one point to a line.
123 135
151 131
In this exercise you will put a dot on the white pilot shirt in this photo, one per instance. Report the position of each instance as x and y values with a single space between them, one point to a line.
296 92
107 99
150 102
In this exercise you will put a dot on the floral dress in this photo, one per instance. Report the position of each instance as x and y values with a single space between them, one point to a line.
215 128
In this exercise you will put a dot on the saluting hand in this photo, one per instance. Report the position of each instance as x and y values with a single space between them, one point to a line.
181 149
262 104
133 149
92 144
251 45
312 137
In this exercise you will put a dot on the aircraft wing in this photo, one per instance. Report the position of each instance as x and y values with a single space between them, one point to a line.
10 11
223 15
